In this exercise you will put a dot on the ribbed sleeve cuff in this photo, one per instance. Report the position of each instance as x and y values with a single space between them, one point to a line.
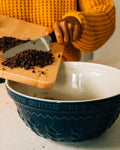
78 15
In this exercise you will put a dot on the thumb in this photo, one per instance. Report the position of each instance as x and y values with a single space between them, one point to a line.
49 32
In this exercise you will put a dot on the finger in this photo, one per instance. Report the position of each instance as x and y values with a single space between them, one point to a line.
76 32
70 29
58 33
64 27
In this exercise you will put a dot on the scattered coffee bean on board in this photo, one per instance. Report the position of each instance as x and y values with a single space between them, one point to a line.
42 72
59 56
33 71
10 42
28 58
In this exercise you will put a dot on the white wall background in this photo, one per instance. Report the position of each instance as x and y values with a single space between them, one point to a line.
113 44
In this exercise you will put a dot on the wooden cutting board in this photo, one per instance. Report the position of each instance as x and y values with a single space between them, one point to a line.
42 77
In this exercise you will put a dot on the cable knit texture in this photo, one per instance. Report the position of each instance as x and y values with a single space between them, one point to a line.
97 18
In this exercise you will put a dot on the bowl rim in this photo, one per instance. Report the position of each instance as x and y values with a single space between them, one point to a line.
66 101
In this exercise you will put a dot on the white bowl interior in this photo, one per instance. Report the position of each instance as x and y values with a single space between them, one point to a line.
77 81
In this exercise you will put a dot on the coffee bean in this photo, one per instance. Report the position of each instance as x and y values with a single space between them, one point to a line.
42 72
33 71
59 56
27 67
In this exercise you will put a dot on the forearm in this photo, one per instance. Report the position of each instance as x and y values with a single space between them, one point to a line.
98 23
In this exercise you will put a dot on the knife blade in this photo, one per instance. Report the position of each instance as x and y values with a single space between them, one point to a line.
42 44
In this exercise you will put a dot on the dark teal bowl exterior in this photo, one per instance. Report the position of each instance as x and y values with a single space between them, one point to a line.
67 121
2 80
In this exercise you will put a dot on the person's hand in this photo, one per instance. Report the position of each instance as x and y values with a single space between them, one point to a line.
66 30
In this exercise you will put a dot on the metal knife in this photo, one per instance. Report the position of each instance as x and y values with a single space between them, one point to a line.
38 44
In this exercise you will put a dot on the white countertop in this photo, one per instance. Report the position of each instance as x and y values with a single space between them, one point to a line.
15 135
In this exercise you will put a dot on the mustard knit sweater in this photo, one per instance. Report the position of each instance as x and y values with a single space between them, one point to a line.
97 18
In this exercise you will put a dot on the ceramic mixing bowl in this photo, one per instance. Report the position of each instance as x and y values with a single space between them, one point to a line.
84 102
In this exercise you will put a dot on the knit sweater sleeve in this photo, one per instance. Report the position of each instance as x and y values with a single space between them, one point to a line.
97 18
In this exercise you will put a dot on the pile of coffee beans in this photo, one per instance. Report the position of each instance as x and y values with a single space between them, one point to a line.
10 42
29 58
